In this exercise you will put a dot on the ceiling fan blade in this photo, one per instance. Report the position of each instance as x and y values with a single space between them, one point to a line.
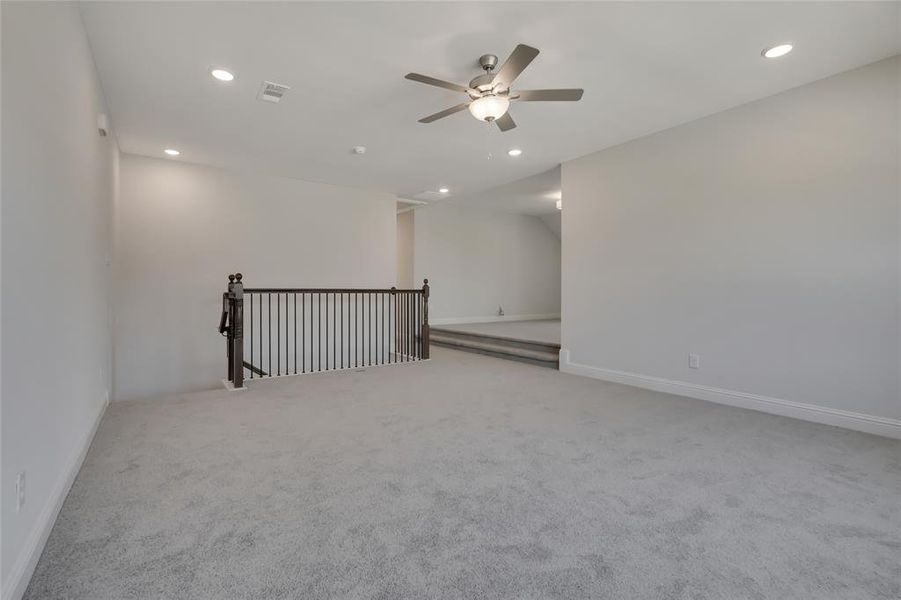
444 113
505 122
436 82
550 95
519 59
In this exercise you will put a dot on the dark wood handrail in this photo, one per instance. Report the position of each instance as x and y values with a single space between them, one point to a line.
328 290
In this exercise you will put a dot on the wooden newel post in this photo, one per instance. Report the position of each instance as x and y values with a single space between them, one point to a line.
227 320
425 318
235 330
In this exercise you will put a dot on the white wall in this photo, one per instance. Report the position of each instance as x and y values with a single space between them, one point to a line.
554 222
478 260
764 238
405 246
57 188
180 229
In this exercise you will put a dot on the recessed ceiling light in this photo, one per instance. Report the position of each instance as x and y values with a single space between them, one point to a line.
171 152
777 51
514 152
443 190
222 74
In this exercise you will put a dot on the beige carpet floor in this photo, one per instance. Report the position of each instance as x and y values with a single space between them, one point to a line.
472 477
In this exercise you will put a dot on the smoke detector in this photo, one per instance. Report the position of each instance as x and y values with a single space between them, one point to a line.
272 92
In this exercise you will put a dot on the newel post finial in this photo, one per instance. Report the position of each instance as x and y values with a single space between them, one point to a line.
231 278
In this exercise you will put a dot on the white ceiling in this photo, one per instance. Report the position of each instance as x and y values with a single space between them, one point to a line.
534 195
644 67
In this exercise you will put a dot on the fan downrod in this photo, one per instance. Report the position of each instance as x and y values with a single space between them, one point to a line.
488 61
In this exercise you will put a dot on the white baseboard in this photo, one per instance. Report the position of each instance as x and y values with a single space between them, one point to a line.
494 319
21 572
787 408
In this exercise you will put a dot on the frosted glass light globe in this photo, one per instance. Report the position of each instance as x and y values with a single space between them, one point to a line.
489 108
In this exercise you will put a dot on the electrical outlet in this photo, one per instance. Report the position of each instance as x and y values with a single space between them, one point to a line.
694 361
20 490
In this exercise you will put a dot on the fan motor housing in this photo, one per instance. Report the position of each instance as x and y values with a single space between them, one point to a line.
482 82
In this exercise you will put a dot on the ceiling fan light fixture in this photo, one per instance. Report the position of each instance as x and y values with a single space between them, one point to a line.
489 108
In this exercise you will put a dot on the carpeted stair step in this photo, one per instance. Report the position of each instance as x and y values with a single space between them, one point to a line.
537 353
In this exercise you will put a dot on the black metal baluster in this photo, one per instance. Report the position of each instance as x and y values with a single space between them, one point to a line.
392 327
356 330
303 332
369 327
362 329
319 332
287 336
334 331
251 333
326 332
386 325
388 328
295 332
342 330
269 328
407 325
380 323
260 329
412 336
362 308
278 334
409 332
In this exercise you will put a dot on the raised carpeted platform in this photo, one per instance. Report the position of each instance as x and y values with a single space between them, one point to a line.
531 342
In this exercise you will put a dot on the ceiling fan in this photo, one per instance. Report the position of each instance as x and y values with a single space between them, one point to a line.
490 94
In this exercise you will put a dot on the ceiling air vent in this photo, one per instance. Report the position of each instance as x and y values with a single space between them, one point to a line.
272 92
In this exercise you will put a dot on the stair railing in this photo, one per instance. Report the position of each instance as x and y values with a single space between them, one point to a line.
274 332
